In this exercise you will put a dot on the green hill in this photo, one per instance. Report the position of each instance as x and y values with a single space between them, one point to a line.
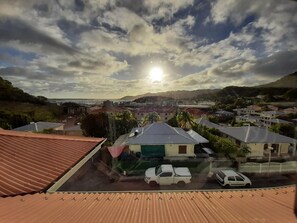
19 108
288 81
10 93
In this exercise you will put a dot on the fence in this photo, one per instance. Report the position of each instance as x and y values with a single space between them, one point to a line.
273 167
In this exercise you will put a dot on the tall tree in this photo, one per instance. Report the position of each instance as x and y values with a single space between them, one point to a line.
125 121
95 125
185 120
151 117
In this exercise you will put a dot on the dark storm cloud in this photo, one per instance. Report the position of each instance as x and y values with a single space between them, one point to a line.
15 29
20 72
137 7
278 64
71 28
48 73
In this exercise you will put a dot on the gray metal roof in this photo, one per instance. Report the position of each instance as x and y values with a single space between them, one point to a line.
279 121
73 128
252 134
208 124
197 137
38 126
159 134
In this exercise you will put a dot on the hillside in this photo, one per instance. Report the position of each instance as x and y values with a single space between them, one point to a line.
288 81
19 108
177 95
279 87
10 93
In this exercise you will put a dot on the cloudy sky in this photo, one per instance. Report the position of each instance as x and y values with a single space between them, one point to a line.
108 49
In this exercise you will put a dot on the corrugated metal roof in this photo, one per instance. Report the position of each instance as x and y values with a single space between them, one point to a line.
197 137
252 134
160 134
30 162
208 124
272 205
38 126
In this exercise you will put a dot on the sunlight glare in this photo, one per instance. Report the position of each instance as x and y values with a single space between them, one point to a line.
156 74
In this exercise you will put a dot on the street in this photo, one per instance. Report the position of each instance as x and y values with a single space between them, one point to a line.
94 180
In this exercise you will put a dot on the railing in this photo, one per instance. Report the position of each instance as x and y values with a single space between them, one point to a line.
273 167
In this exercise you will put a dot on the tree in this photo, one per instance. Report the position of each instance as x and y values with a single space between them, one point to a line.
151 117
185 120
173 122
95 125
125 121
284 129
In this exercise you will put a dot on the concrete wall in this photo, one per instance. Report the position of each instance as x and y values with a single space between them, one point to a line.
170 149
59 127
135 148
257 149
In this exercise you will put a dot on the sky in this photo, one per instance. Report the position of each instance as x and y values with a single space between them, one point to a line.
110 49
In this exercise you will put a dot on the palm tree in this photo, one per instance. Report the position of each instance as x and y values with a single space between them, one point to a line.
185 120
150 118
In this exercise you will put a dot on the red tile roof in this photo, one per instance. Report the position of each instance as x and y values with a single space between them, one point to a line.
30 162
271 205
196 112
156 109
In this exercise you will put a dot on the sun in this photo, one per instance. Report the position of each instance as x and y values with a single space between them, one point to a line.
156 74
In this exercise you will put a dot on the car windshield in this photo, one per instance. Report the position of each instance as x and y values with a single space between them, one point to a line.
158 170
95 94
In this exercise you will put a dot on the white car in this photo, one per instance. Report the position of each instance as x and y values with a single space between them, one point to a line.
231 178
166 174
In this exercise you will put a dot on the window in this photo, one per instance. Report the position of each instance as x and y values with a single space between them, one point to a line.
182 149
231 178
238 178
166 174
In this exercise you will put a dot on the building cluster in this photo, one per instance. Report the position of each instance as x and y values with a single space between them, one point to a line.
263 117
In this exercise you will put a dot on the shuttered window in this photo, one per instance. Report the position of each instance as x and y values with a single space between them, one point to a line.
182 149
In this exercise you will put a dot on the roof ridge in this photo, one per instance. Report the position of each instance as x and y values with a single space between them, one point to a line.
48 136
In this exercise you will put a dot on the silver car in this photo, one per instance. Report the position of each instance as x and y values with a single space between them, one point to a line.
231 178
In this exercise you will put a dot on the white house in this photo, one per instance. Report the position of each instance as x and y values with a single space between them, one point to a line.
159 140
259 140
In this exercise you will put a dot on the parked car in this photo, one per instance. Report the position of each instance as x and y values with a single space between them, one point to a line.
204 153
167 174
231 178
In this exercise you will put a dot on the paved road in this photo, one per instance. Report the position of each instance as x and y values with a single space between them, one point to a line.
97 181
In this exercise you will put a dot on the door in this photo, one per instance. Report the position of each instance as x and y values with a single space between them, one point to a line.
153 151
232 181
166 178
239 181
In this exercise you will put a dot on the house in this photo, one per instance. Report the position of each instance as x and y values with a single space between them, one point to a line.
74 108
165 112
259 140
292 110
159 140
250 119
223 113
73 130
196 112
32 163
40 126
